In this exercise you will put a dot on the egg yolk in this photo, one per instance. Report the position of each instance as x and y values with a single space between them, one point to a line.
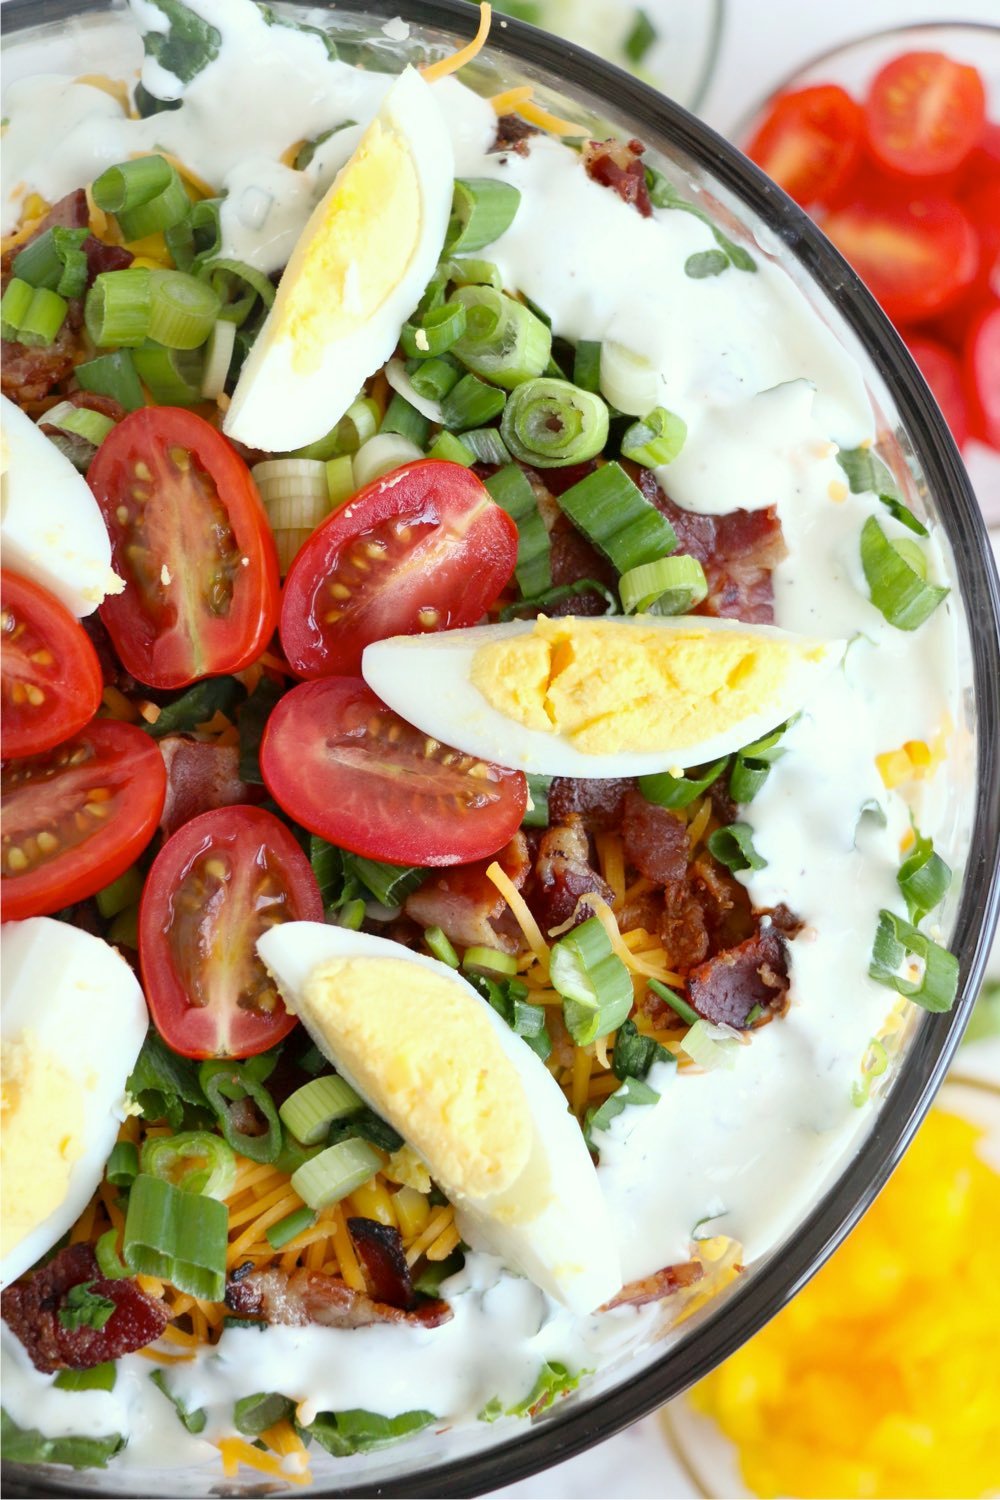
354 251
610 687
420 1049
41 1110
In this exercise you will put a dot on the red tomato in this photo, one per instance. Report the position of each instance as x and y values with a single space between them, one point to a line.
982 376
915 256
942 373
423 548
983 160
810 142
346 767
51 676
215 886
924 113
190 538
982 205
76 818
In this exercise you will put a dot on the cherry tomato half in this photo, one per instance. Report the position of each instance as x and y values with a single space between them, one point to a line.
941 370
75 818
982 376
924 113
51 676
423 548
346 767
916 255
811 142
215 886
190 537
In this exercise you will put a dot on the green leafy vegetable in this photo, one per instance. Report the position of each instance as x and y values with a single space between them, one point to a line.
635 1054
274 18
867 474
634 1091
195 1420
554 1380
704 263
509 999
753 763
346 1432
366 1125
24 1445
163 1084
82 1307
197 705
187 46
253 1415
733 847
640 38
97 1378
680 791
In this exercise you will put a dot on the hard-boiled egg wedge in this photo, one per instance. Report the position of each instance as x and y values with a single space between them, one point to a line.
51 529
358 271
74 1019
584 697
435 1060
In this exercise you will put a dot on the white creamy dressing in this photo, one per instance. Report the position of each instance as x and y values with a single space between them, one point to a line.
766 392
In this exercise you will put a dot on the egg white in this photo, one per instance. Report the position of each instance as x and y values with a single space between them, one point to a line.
51 527
426 679
278 407
81 1003
566 1246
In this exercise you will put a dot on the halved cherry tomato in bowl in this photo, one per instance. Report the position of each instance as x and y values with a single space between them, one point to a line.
924 113
75 818
342 764
191 539
916 255
50 673
943 374
423 548
981 365
221 881
810 142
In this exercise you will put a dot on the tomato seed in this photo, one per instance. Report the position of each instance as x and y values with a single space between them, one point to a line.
16 859
34 695
47 842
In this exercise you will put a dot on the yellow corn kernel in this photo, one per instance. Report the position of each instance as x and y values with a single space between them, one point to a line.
894 767
373 1201
412 1212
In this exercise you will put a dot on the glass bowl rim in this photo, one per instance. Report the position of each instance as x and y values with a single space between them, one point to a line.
575 1426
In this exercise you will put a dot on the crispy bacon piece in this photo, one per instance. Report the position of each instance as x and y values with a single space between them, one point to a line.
562 875
69 213
618 165
314 1297
659 1285
683 930
200 775
380 1250
102 257
655 839
31 1309
598 804
467 906
728 986
27 374
513 134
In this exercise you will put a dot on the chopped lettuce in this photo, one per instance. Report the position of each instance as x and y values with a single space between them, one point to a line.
554 1380
24 1445
345 1432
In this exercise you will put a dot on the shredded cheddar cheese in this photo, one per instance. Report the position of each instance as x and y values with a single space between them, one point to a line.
448 65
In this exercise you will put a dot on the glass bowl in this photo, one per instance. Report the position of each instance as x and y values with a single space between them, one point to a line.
71 36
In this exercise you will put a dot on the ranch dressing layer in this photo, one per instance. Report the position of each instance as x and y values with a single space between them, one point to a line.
767 395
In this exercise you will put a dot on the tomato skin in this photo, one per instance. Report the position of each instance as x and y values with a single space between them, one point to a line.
810 142
44 651
924 113
342 764
464 552
109 765
943 374
981 365
180 505
916 255
187 912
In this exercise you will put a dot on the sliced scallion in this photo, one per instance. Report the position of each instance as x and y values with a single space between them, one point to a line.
146 195
482 209
486 445
895 940
55 260
358 424
312 1109
109 1262
634 1091
503 341
434 378
512 491
31 315
470 272
14 306
482 960
78 421
239 287
123 1164
381 454
668 586
176 1236
680 791
218 358
195 1161
436 333
629 382
183 309
587 366
335 1172
595 985
897 587
923 878
676 1002
733 847
404 419
551 423
172 376
441 946
112 375
118 307
709 1046
656 440
471 403
449 447
615 515
287 1228
340 483
753 763
428 407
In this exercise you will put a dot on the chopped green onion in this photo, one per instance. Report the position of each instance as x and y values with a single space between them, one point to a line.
183 309
867 474
78 421
509 998
112 375
468 272
556 595
55 260
873 1065
486 445
512 491
228 1083
680 791
629 382
710 1046
198 237
897 588
752 765
124 930
656 440
634 1053
634 1091
595 985
436 332
351 915
164 212
389 884
300 1219
923 878
482 960
676 1002
434 378
663 194
358 424
172 376
335 1172
340 484
82 1307
382 454
537 815
109 1262
97 1378
503 341
404 419
179 1237
146 195
669 586
551 423
641 37
237 286
195 1420
452 450
482 209
733 847
471 403
705 263
440 946
587 366
14 306
398 377
218 358
123 1164
312 1109
194 1161
253 1415
895 939
615 515
118 307
32 316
